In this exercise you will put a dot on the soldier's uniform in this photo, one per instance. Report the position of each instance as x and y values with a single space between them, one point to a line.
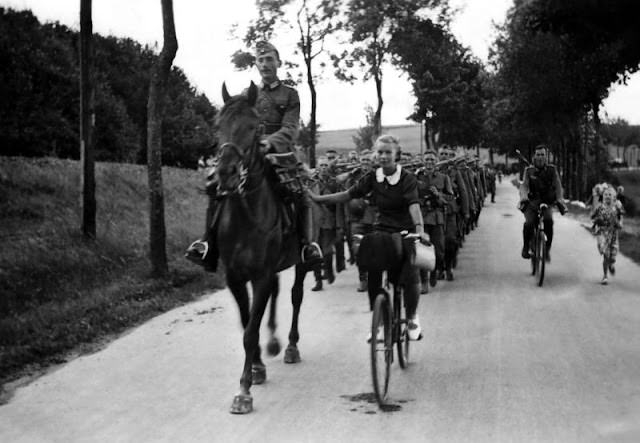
473 196
457 212
540 185
327 228
278 108
491 184
433 212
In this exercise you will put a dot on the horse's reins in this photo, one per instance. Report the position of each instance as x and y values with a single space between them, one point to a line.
244 168
240 190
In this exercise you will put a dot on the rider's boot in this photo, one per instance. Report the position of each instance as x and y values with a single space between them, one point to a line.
311 252
204 252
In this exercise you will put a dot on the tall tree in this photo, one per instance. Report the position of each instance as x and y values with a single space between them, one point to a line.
370 24
87 118
155 112
447 80
366 134
557 61
315 23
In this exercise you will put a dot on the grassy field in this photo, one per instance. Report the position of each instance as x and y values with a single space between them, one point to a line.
58 291
630 179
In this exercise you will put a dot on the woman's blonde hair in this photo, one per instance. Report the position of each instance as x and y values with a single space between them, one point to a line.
390 140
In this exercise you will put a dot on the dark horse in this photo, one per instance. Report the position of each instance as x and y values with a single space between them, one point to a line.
255 237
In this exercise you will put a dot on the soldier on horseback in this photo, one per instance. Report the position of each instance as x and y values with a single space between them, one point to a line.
278 107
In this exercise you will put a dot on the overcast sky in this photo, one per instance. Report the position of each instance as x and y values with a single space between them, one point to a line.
202 28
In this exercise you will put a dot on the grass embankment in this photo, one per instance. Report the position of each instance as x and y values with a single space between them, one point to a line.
59 292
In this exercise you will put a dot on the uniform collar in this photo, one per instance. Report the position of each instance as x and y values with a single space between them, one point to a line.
392 179
270 86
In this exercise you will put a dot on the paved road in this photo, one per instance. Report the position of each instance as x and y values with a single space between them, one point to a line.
502 360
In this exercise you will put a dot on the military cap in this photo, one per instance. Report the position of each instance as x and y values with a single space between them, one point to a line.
262 47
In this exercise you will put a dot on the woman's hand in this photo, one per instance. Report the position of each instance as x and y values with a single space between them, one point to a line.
312 195
424 238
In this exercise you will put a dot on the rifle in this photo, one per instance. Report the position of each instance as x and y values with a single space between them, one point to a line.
345 167
522 158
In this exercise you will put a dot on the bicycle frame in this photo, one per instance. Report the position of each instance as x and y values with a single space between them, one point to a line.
539 241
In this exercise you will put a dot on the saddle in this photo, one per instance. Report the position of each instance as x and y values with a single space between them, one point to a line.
288 169
290 175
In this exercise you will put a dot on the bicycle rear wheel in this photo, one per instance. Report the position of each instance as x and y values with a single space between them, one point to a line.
542 256
401 335
381 350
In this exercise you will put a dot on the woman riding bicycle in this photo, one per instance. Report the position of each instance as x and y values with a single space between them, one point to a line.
394 192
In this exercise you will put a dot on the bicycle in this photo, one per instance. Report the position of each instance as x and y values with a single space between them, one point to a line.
390 318
539 246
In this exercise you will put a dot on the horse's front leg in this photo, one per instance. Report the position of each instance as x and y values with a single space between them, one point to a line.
273 346
243 401
292 354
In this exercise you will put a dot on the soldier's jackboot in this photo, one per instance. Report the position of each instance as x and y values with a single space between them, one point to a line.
328 268
317 273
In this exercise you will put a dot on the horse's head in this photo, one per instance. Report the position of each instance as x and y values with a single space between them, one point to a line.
238 133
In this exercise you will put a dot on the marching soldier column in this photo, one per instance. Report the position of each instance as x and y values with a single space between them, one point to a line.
452 189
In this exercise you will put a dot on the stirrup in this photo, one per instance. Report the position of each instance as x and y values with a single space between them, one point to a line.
310 245
199 246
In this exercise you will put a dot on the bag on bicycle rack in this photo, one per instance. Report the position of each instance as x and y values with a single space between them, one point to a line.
422 256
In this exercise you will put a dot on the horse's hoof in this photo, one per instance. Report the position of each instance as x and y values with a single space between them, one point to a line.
291 355
273 347
258 375
242 404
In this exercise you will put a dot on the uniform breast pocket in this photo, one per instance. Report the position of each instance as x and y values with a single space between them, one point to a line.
281 108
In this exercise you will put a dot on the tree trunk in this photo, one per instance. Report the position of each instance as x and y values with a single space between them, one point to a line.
155 111
427 139
312 118
377 120
87 121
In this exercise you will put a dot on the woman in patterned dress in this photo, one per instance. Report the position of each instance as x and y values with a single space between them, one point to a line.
607 220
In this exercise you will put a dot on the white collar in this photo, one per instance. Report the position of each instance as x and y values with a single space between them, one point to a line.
392 179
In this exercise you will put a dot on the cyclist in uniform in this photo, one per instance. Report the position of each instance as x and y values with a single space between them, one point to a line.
541 184
394 191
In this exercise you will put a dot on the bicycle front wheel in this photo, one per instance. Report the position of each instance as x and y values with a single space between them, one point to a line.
381 347
542 256
401 334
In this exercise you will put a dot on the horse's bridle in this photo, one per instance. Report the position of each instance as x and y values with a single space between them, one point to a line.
245 164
